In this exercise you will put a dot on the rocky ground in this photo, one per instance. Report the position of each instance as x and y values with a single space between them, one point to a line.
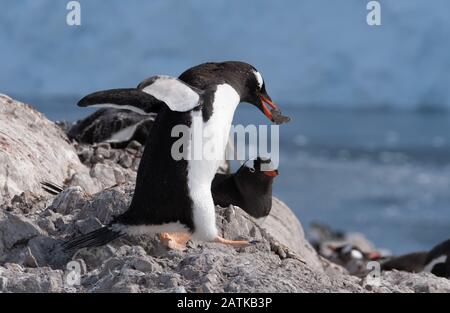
98 183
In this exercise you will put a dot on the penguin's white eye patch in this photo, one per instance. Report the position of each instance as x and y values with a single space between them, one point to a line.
178 95
356 254
259 79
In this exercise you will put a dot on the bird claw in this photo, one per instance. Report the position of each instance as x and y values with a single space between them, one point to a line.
174 241
233 243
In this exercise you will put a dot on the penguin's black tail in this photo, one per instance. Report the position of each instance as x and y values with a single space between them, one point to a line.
95 238
51 188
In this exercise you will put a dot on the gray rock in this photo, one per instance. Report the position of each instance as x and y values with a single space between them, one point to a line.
34 280
125 160
236 228
41 249
105 205
397 281
119 175
85 181
85 154
47 224
285 228
105 153
130 265
29 259
87 225
25 134
69 200
96 257
136 162
179 289
62 222
123 280
25 202
103 145
16 229
145 265
104 174
125 287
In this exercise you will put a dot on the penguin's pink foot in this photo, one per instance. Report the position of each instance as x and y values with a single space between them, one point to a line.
174 241
233 243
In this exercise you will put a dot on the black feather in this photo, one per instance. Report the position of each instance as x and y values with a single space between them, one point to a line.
51 188
95 238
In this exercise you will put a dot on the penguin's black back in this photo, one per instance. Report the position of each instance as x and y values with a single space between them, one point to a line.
161 193
411 262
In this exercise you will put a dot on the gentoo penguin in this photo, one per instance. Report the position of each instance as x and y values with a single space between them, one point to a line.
129 116
117 127
352 258
174 194
435 261
411 262
438 260
250 188
347 252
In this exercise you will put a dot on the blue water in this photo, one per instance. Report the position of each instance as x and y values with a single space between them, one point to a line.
384 174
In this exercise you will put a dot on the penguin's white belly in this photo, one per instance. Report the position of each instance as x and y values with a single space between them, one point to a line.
202 171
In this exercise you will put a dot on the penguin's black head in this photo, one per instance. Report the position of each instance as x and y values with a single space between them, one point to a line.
243 77
254 183
252 88
260 170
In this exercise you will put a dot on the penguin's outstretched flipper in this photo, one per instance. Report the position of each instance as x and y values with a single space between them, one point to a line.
175 93
95 238
124 98
148 97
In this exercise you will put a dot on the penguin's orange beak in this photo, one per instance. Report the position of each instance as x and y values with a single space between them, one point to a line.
373 256
273 173
265 109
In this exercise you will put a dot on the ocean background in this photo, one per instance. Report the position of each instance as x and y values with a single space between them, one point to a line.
368 148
